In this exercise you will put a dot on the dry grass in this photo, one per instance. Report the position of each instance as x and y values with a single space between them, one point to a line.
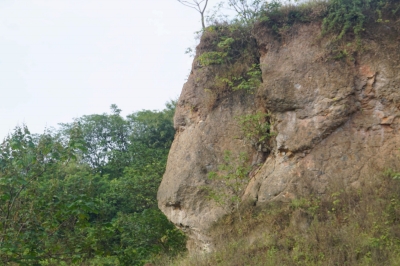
347 227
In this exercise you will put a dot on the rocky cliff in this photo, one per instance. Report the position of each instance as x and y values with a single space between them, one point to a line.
332 120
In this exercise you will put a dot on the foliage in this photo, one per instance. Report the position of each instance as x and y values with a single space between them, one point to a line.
230 54
256 129
146 234
339 18
220 56
101 136
250 82
233 176
250 11
281 17
153 128
351 15
109 143
393 174
41 199
86 195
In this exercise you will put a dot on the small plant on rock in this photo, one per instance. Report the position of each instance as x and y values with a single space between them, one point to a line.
256 129
233 176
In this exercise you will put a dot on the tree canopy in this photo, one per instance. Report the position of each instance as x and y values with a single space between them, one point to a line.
86 193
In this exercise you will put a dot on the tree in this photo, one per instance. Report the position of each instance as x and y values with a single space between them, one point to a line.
87 192
104 138
44 208
198 5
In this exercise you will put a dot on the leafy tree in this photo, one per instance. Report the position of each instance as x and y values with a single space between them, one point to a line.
109 143
36 206
87 193
103 137
146 234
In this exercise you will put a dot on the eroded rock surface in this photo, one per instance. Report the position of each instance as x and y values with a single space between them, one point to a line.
198 149
334 121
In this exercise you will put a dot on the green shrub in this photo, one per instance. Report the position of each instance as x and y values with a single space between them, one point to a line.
230 55
256 129
345 15
232 177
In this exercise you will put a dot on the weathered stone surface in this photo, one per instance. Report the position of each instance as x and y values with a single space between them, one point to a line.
198 148
334 121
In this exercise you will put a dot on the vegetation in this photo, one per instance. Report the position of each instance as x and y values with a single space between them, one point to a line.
256 129
350 226
232 177
343 16
231 55
249 12
346 225
86 194
228 47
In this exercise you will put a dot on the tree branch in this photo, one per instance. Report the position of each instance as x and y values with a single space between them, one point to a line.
196 5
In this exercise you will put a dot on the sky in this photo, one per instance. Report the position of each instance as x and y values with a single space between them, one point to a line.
61 59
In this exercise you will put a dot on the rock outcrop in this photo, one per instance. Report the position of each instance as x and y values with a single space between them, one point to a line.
333 119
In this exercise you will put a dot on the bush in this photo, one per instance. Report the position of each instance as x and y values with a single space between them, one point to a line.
256 129
344 15
232 177
229 55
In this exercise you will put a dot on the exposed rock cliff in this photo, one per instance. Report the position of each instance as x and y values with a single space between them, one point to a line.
333 119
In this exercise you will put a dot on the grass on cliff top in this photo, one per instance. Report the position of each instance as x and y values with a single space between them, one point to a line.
337 17
230 55
348 227
341 19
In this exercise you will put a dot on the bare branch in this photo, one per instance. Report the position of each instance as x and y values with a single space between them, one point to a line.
188 4
198 5
205 6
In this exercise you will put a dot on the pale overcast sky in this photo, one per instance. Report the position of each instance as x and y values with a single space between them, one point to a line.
61 59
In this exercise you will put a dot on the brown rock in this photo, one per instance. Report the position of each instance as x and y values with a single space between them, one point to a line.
333 121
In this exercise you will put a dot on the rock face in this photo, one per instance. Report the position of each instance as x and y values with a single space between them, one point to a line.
335 120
